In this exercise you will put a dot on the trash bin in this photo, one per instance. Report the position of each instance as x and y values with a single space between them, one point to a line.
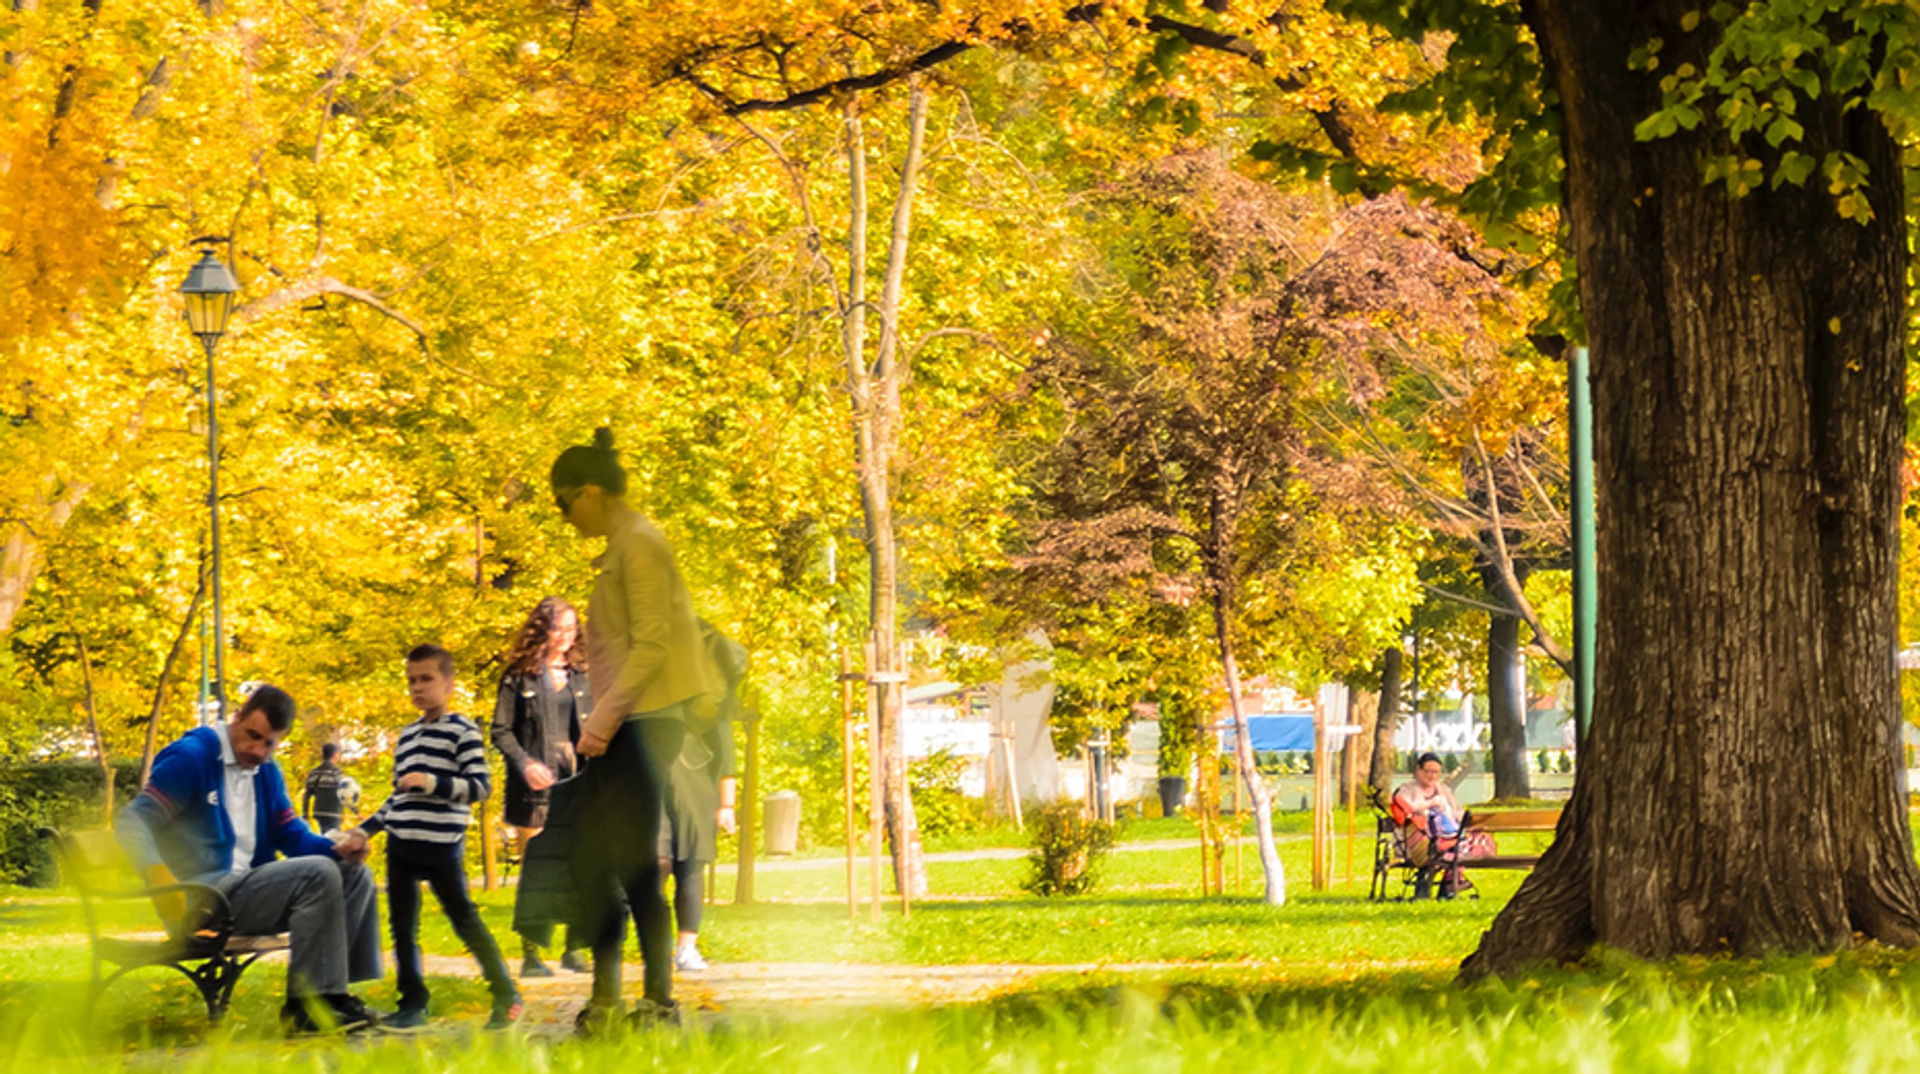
782 815
1173 795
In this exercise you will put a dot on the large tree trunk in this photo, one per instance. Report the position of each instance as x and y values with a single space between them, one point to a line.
1748 382
1381 769
1506 692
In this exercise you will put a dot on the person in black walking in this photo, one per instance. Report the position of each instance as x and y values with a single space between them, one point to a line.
536 717
320 803
651 674
701 803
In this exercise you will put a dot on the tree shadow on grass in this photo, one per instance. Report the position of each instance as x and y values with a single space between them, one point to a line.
1306 911
1607 982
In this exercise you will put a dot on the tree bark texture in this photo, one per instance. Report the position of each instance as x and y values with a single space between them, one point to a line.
1748 370
1506 691
1381 768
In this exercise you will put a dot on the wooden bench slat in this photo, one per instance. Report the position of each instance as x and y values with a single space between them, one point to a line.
260 945
1501 861
1522 820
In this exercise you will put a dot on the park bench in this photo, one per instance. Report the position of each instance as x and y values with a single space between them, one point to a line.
1515 821
1392 855
210 956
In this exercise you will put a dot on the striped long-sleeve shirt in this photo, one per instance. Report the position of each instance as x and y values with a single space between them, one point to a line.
453 752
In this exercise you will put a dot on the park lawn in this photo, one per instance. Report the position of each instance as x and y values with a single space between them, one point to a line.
1855 1012
1151 978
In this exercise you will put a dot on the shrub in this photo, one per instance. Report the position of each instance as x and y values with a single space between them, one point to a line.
1067 850
60 794
939 805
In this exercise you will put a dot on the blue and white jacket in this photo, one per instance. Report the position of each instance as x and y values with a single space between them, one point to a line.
180 818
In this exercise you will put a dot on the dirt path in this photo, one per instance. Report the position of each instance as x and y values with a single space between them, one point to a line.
796 988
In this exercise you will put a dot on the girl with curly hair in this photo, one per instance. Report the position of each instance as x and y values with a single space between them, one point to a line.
536 718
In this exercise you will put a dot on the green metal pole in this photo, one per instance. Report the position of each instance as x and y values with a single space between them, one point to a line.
1586 616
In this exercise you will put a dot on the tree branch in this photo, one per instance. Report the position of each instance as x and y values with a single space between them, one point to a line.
315 286
1331 124
1503 562
933 57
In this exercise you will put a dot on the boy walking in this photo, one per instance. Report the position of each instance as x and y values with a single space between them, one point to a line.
439 771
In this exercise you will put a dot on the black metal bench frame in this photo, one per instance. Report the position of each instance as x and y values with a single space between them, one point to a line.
211 955
1390 855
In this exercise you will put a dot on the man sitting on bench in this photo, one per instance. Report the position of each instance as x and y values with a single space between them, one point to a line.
1431 814
215 811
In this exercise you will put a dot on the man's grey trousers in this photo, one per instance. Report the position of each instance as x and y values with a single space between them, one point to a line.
330 910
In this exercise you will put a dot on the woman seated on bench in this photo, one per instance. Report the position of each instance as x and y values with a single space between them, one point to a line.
1431 815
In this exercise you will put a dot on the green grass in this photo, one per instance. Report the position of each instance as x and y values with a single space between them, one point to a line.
1854 1013
1330 982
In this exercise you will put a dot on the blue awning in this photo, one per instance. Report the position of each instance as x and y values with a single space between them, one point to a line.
1272 733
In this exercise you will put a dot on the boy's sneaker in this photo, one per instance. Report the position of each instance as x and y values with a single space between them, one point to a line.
575 962
326 1014
506 1012
405 1018
688 960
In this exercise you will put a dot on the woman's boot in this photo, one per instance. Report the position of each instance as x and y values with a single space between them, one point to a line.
531 964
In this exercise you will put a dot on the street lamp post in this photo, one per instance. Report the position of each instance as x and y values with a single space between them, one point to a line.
1586 615
209 292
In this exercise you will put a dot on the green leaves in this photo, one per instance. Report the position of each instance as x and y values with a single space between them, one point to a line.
1795 167
1767 61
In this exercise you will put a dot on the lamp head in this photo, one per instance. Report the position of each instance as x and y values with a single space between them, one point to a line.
209 292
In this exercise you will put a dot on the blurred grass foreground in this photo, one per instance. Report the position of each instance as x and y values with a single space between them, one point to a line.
1142 975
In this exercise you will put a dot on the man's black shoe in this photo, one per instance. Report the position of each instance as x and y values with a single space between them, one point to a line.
352 1014
326 1014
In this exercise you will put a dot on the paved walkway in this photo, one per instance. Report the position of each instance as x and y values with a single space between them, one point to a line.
796 988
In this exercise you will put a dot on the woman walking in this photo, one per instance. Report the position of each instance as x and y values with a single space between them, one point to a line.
701 803
543 695
649 671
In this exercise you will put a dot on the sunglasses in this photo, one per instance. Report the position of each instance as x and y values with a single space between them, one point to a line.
565 500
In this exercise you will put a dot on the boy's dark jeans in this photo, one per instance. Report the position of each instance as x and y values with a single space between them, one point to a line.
442 868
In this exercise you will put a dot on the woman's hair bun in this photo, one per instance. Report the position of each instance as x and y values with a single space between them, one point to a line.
603 438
